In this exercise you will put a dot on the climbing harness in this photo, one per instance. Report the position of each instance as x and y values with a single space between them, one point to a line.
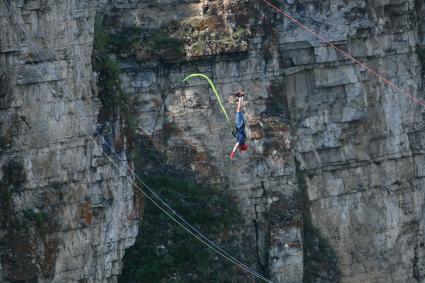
220 100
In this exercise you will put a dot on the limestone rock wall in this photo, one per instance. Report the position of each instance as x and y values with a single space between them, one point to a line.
356 141
327 140
66 214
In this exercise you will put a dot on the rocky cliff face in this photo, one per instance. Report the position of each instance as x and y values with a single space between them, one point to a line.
331 188
192 133
331 146
66 214
360 142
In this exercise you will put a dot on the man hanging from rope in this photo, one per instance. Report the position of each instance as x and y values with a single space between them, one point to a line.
240 127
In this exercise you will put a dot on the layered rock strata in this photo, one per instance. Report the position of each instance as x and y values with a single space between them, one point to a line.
67 213
331 146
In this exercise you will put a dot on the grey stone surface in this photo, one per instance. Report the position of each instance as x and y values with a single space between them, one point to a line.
66 175
358 142
356 139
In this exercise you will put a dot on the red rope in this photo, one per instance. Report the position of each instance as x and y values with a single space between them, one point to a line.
369 69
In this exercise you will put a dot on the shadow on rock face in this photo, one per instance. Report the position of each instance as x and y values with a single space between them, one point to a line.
5 91
28 245
167 155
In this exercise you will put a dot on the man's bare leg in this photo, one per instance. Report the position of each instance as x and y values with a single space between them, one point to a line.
235 147
232 155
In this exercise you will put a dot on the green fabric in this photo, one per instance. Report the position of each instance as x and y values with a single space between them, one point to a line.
220 100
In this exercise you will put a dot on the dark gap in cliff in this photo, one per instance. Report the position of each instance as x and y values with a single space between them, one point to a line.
320 262
160 45
262 236
163 252
108 70
420 51
115 118
262 258
5 91
277 101
273 126
420 47
11 124
415 264
265 263
269 41
420 8
4 85
418 267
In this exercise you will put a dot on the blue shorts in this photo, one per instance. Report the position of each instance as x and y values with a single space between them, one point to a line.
240 121
240 128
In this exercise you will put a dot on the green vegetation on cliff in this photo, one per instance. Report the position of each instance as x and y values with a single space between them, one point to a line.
164 252
161 45
111 96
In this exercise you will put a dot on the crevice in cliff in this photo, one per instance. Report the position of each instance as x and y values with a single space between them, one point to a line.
262 238
262 253
420 51
115 118
416 269
320 262
113 100
420 6
4 86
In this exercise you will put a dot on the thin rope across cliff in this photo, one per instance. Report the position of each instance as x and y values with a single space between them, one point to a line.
347 55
